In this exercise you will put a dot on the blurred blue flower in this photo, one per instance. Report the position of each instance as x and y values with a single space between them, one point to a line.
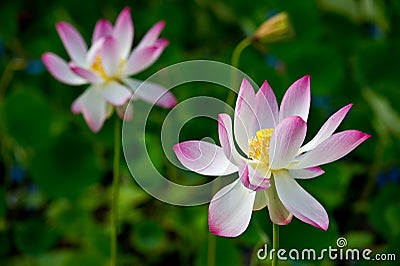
17 174
376 32
388 177
35 67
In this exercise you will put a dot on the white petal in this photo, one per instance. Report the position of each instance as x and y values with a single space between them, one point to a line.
306 173
226 139
260 201
204 158
327 129
73 42
296 101
110 57
245 116
59 69
115 93
332 149
151 92
93 107
123 31
230 210
299 202
286 141
266 108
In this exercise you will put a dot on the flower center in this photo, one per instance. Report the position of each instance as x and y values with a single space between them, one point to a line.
259 145
98 67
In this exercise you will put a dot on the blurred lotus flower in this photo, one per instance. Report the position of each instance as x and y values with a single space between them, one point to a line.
272 140
107 65
276 28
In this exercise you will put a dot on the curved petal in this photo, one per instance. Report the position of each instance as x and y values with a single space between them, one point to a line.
151 93
327 129
93 108
86 74
103 28
266 107
245 116
73 42
141 59
110 57
306 173
59 69
332 149
226 139
286 141
151 36
115 93
252 179
204 158
260 201
296 101
230 210
93 52
277 212
123 31
299 202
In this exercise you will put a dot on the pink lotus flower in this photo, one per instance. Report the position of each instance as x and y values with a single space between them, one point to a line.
107 65
272 140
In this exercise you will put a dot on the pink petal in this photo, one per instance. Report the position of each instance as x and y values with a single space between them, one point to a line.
226 139
115 93
93 108
123 31
86 73
306 173
125 111
59 69
277 212
260 201
327 129
230 210
299 202
94 51
151 36
103 28
204 158
286 141
296 101
151 93
332 149
252 179
245 116
73 42
266 107
110 59
141 59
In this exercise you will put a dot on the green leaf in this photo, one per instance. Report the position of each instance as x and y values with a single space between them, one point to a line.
148 236
34 237
66 168
27 118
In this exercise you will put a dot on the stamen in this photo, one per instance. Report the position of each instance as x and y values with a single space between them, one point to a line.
259 145
98 67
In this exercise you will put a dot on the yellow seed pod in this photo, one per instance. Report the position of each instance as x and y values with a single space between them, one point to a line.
275 29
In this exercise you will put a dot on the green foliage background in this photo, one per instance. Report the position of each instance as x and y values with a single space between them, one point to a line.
55 186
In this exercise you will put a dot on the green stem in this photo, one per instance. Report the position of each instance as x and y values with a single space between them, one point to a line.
211 250
115 191
275 243
235 63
